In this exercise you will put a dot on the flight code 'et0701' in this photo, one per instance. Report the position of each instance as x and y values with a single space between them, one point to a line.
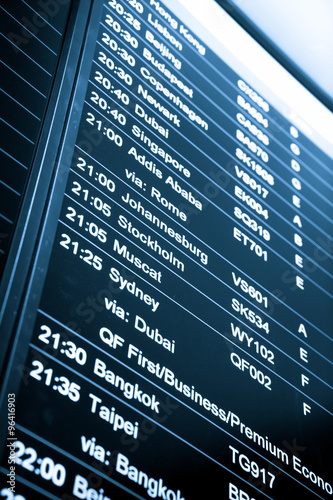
248 242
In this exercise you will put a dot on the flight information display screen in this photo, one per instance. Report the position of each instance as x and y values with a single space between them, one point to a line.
175 340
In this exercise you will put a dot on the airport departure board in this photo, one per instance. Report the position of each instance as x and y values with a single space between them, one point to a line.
175 338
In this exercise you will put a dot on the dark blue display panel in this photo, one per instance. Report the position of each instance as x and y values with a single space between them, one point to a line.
31 40
179 330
